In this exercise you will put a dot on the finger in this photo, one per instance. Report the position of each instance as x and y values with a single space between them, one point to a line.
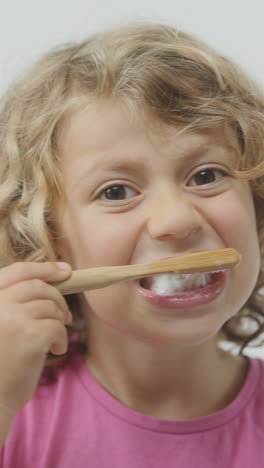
47 336
21 271
42 309
59 344
33 290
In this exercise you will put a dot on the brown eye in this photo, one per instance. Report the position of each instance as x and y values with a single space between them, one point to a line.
117 193
207 176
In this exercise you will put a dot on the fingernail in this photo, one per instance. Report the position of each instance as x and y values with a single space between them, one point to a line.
63 266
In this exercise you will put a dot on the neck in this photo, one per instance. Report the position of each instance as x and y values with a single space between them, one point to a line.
165 381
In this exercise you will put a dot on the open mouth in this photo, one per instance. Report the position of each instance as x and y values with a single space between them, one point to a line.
170 284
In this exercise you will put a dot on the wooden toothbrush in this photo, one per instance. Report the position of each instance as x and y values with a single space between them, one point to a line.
99 277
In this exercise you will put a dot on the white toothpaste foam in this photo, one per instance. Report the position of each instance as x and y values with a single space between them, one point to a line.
167 284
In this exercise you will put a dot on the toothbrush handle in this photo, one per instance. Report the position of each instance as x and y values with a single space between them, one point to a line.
100 277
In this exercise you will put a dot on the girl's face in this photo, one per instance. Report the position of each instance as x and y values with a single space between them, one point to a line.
137 193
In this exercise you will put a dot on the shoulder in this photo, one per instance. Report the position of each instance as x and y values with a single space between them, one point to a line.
256 369
54 408
50 396
257 366
254 387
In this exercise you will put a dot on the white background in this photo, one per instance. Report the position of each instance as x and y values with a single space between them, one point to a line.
29 27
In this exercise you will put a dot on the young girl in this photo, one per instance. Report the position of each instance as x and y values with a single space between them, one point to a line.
138 144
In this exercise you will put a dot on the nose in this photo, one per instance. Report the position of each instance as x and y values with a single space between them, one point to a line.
173 216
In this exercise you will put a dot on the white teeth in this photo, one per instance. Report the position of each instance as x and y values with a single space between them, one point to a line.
167 284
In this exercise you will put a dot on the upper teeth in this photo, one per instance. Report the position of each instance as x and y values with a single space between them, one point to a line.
166 284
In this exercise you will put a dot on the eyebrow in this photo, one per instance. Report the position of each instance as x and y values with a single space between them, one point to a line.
111 165
128 164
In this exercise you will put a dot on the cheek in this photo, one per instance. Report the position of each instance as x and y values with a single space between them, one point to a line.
99 240
236 225
113 242
113 306
233 217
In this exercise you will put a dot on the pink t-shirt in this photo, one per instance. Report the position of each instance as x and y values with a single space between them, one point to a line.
75 423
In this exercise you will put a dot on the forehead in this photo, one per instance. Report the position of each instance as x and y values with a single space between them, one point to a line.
103 131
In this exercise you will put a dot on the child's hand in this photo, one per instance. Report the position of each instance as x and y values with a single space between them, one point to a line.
33 315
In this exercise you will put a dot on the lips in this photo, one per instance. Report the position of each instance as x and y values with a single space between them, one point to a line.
187 299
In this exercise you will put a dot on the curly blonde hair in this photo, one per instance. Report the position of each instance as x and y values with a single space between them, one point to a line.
177 78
